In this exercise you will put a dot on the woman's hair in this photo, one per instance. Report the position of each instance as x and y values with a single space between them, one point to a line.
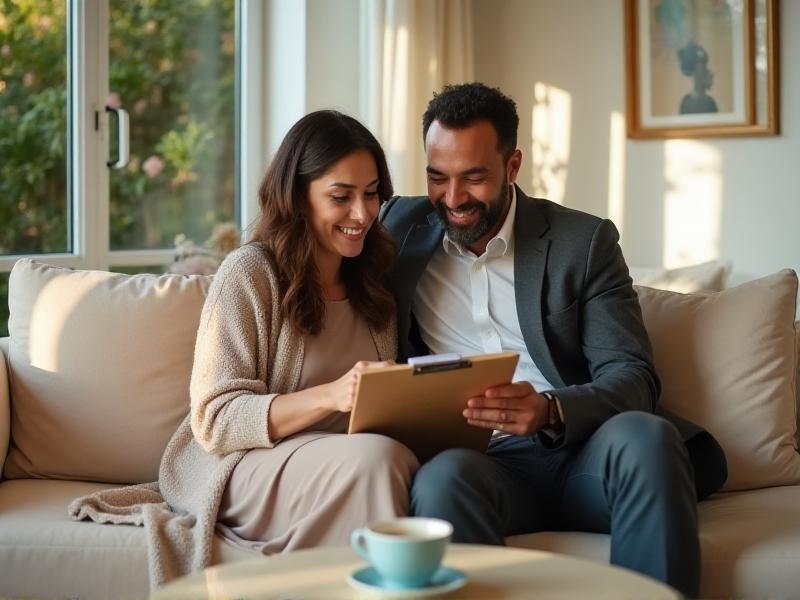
310 148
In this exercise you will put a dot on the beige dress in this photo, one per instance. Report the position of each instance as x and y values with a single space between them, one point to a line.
246 354
315 487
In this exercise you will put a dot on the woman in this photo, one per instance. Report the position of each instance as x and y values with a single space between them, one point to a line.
290 321
261 457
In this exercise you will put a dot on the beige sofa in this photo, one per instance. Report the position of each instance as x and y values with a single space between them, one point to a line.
94 379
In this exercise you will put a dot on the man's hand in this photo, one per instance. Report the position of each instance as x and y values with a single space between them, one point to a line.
514 408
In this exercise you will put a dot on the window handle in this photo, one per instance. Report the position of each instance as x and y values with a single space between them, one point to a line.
123 138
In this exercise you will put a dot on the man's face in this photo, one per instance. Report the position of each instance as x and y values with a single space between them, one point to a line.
468 181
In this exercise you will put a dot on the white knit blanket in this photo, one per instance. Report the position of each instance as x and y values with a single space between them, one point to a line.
178 512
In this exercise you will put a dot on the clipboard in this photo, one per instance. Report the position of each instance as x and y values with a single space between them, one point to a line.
420 404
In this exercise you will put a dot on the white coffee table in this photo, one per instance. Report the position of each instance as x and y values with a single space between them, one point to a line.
492 571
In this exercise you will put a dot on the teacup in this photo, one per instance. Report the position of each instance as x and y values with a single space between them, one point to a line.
405 552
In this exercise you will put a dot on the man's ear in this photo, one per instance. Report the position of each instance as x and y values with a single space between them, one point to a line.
513 165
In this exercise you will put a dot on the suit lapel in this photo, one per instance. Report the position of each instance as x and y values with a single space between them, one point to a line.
414 255
530 262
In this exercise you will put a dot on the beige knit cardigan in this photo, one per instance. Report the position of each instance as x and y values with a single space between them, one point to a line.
245 355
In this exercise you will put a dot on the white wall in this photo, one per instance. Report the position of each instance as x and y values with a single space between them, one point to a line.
311 60
676 202
333 78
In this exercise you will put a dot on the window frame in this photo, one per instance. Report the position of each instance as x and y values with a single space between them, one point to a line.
88 195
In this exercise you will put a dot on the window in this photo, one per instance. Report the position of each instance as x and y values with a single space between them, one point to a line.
171 65
173 68
33 127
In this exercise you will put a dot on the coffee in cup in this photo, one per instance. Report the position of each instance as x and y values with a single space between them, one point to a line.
406 552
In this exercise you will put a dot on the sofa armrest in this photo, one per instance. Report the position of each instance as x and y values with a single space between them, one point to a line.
5 405
797 378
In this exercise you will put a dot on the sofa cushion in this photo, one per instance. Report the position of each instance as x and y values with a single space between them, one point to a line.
45 554
703 277
727 362
797 377
750 543
100 366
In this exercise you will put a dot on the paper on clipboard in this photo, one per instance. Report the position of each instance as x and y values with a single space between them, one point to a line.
421 405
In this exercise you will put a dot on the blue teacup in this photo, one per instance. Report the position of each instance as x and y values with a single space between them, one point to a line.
405 552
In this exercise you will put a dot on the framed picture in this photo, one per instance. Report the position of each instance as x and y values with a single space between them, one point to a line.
698 68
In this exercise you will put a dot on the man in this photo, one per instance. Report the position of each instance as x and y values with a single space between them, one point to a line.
578 444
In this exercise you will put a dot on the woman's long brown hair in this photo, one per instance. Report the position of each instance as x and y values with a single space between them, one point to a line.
310 148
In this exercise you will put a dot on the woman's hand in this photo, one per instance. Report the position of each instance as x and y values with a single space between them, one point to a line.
341 393
293 412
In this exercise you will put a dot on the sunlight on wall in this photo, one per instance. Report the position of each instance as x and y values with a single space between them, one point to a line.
433 67
616 170
52 308
693 203
550 134
395 88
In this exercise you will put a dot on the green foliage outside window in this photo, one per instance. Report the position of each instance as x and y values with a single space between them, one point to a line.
33 128
172 67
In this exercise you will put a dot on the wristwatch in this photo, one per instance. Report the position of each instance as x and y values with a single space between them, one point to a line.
554 422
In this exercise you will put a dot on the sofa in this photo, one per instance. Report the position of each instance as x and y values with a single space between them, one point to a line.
94 379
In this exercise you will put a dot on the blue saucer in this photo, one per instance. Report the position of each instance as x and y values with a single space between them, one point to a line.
444 580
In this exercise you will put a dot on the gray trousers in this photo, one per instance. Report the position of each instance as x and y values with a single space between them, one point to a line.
632 478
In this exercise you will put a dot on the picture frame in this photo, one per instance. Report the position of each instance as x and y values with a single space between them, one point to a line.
701 68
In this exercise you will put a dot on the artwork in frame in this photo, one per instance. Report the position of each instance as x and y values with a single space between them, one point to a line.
697 68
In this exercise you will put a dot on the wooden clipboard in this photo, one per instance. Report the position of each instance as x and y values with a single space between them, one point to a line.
421 406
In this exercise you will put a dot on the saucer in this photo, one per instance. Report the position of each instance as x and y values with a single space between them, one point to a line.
444 580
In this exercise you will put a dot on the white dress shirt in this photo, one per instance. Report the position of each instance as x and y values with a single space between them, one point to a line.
466 303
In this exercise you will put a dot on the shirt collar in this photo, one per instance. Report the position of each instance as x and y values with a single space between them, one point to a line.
500 245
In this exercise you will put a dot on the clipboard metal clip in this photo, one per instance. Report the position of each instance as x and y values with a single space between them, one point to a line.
434 363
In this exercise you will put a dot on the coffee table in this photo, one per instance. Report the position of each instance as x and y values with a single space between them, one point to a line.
492 571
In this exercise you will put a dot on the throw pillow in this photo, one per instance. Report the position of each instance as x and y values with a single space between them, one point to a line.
100 365
703 277
727 362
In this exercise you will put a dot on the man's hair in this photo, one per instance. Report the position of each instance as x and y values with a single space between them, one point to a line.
459 106
311 147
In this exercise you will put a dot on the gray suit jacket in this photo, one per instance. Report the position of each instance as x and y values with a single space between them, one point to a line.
578 312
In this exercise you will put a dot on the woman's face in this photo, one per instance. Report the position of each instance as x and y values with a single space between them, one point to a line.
344 203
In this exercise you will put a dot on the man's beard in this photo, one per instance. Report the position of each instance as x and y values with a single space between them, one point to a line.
489 215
